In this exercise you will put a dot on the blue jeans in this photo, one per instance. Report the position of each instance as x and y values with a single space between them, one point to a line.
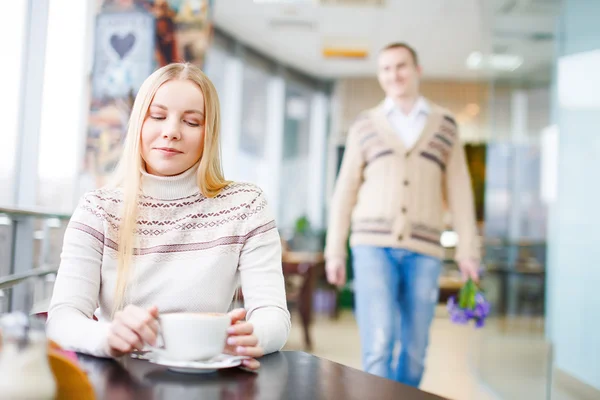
396 292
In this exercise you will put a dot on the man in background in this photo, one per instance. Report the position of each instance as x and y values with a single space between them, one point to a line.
403 163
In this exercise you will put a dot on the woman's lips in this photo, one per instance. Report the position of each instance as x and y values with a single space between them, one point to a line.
168 151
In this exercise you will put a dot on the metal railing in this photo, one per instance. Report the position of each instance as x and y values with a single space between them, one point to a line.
27 263
36 290
10 281
33 213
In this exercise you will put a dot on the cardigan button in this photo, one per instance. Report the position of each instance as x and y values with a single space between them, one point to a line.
406 182
404 210
400 237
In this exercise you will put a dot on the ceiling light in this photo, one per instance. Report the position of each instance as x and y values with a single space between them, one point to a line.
341 52
475 60
345 47
505 62
496 62
291 23
282 1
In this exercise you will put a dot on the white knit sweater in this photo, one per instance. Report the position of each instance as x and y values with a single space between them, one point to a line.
191 251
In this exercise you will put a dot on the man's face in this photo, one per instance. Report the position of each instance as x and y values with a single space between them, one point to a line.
397 73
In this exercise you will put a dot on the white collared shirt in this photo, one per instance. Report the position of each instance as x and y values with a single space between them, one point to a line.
408 127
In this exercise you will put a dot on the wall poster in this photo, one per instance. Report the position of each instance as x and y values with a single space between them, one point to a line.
132 38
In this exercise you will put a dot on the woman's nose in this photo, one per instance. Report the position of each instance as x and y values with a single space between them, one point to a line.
171 131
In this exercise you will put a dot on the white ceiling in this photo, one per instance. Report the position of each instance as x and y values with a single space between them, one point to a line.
444 32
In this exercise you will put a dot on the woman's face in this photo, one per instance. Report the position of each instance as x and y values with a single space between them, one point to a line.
172 136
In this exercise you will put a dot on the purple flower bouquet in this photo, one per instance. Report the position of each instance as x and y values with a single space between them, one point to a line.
471 305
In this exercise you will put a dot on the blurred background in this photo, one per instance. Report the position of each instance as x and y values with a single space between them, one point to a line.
521 76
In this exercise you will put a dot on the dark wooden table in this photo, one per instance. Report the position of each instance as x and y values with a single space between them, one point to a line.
283 375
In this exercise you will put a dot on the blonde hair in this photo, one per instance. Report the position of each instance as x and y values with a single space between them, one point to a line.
128 176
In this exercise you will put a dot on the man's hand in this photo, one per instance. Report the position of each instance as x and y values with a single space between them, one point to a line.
335 268
469 269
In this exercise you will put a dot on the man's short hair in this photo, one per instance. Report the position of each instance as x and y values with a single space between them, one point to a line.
402 45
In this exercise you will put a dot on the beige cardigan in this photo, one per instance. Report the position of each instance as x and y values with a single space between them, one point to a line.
391 197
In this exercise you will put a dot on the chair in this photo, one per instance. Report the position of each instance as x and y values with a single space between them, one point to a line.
300 272
71 381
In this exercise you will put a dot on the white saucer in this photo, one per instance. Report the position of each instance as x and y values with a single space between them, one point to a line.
198 367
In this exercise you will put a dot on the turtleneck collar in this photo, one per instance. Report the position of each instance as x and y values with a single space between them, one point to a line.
170 187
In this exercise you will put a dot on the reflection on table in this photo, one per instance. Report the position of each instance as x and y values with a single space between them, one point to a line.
290 375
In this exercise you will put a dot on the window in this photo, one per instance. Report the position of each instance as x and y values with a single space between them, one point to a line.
297 123
65 104
12 29
294 182
255 89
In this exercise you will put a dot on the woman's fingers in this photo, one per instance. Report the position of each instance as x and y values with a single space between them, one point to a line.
131 328
141 322
153 310
242 328
248 340
237 315
255 352
128 336
251 364
118 346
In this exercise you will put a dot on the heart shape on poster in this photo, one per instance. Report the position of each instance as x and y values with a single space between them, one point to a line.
122 44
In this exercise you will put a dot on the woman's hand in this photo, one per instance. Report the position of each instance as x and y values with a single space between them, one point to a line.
241 339
131 328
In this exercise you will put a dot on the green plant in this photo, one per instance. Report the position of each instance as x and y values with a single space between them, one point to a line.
302 225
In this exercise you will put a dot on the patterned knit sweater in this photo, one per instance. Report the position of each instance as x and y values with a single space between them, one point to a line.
389 196
190 253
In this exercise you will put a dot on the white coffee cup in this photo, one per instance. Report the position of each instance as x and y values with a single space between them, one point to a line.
190 336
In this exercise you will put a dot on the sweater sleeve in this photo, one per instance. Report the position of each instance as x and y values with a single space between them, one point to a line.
261 277
76 290
344 196
461 204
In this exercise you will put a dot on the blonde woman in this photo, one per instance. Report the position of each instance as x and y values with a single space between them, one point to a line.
170 234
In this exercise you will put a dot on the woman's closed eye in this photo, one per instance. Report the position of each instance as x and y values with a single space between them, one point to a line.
193 124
